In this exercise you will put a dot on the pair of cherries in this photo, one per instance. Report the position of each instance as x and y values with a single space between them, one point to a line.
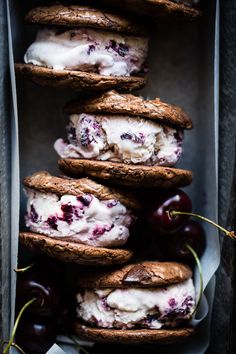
39 286
169 215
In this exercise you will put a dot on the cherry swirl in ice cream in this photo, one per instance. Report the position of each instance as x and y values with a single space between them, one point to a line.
117 138
85 49
85 218
151 308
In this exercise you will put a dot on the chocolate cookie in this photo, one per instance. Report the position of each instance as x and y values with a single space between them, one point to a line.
113 102
77 80
77 15
144 274
159 8
133 336
128 175
83 48
68 251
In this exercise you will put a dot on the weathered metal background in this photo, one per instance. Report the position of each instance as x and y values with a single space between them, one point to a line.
5 101
223 339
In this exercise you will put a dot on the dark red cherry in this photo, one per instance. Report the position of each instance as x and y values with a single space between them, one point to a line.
36 283
35 335
174 245
159 211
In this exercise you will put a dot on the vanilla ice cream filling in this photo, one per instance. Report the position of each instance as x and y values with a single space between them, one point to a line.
131 140
152 308
85 218
85 49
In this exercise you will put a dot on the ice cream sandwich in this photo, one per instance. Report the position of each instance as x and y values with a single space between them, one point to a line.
79 220
148 302
83 48
125 139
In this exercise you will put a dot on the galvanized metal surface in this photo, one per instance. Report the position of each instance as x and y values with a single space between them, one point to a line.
223 339
5 99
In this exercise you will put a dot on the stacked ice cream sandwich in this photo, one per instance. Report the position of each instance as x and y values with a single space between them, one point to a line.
83 48
149 302
112 139
125 139
78 220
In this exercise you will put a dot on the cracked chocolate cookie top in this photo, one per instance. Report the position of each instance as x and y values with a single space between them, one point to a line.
112 102
86 16
158 8
144 274
44 182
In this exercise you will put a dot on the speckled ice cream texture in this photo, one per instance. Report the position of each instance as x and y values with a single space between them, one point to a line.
131 140
102 52
137 307
84 217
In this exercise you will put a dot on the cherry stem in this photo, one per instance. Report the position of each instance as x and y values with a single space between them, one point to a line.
79 345
16 346
9 345
199 266
231 234
22 270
